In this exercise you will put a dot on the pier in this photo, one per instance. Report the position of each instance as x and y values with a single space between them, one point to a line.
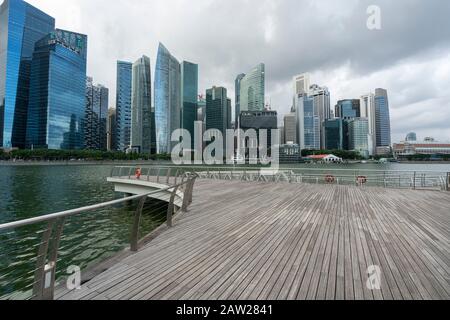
278 240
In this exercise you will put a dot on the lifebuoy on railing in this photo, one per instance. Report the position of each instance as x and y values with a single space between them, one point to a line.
138 173
330 178
361 180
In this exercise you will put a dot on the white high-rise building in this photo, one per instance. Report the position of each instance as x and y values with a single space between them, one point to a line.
368 111
322 109
302 83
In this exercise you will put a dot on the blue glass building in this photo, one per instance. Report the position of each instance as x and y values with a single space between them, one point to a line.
347 109
189 94
383 118
123 104
21 26
167 98
56 111
96 116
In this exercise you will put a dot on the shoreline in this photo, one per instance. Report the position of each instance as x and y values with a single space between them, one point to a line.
78 163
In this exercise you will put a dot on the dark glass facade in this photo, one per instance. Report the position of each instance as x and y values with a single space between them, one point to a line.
259 120
189 93
334 134
123 104
56 112
167 98
217 117
21 26
348 109
95 132
383 118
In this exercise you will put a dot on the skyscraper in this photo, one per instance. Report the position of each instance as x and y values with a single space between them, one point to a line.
302 83
252 90
123 104
383 119
358 129
217 108
368 111
322 110
290 128
237 102
189 93
334 134
21 26
56 111
96 116
143 136
112 132
167 98
308 124
349 108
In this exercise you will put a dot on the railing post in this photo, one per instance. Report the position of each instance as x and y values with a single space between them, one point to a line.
414 186
134 240
448 182
45 274
168 175
171 208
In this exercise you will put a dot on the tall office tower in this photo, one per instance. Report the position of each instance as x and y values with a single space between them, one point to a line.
358 129
96 116
322 109
252 90
143 136
237 102
302 83
347 109
290 128
217 108
123 104
282 136
167 99
259 120
383 119
56 112
308 124
189 94
201 115
112 132
334 134
368 111
21 26
229 114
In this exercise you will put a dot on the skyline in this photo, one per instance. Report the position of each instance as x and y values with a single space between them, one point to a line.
415 73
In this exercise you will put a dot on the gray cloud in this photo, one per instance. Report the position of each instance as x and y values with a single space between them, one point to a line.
409 56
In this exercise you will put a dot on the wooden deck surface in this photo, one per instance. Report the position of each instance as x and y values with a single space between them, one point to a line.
248 240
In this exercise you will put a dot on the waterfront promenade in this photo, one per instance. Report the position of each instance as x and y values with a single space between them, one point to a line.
254 240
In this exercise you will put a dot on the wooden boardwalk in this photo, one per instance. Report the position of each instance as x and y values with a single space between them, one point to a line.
247 240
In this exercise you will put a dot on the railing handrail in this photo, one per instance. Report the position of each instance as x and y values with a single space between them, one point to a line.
68 213
242 167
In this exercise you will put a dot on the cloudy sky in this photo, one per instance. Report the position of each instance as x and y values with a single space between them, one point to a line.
409 56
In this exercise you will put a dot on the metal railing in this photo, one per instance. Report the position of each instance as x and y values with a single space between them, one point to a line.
398 179
44 278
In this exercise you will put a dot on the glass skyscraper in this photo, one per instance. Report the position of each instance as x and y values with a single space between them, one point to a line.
56 112
21 26
123 104
322 110
308 123
95 126
358 130
252 90
189 93
237 101
142 124
383 119
217 111
334 134
167 98
346 109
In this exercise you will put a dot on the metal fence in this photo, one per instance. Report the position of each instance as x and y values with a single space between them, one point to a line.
31 249
418 180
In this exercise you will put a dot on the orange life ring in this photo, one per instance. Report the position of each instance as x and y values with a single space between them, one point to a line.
330 179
